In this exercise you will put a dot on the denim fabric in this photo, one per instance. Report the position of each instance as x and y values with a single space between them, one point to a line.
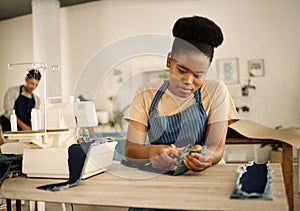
181 168
5 123
23 106
254 181
77 160
10 165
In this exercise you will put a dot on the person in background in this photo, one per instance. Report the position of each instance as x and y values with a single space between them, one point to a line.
22 100
187 110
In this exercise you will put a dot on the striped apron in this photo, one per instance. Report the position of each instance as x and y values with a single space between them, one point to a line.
181 129
185 128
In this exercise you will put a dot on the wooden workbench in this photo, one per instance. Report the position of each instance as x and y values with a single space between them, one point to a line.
121 186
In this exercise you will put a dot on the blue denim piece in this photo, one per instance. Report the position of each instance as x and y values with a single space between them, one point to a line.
10 166
253 182
181 168
78 154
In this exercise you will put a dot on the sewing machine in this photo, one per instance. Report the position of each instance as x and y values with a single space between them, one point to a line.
45 152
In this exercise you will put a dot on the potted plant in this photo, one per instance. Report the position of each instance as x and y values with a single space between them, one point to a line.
243 108
246 87
117 118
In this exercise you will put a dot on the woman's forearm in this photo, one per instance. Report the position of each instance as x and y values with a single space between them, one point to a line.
136 151
22 125
215 140
217 154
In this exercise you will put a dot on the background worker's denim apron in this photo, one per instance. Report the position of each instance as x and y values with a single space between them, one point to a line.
181 129
22 106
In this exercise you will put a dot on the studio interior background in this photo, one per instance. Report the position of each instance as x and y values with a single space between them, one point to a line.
267 30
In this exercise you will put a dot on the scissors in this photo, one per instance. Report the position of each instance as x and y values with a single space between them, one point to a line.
188 150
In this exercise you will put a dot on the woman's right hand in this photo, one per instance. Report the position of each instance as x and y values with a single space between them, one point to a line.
160 158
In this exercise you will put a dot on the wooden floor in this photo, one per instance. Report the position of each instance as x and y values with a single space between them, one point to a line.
58 207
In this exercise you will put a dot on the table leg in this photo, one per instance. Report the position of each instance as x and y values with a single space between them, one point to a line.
8 204
18 205
287 167
298 170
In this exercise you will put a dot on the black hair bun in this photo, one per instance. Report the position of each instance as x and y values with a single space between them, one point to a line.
199 29
34 73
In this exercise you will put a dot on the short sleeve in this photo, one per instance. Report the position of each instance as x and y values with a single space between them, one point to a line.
222 107
137 110
140 106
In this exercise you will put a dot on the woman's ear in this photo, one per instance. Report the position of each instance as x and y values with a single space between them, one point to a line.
169 60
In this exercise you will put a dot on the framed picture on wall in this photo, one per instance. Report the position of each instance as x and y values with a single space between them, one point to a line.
256 67
228 70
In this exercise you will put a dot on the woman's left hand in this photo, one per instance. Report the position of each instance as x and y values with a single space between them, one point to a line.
198 162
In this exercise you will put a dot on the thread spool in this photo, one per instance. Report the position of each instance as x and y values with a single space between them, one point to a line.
34 119
13 121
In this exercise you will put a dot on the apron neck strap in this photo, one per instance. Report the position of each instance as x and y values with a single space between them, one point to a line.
158 94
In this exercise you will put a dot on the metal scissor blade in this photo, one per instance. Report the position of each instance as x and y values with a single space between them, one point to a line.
185 152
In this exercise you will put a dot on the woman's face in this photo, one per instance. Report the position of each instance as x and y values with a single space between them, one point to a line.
187 71
30 84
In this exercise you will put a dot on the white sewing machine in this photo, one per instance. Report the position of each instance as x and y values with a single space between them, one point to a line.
45 154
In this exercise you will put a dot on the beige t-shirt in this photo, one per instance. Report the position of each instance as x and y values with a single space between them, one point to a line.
216 101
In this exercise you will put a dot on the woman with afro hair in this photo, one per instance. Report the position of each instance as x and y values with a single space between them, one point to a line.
185 111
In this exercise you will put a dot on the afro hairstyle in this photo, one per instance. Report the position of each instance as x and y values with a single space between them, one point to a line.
199 29
196 33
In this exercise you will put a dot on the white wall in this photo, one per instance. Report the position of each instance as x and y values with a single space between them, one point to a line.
15 47
253 29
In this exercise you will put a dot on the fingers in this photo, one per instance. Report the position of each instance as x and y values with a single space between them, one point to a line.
197 162
164 160
197 147
158 163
